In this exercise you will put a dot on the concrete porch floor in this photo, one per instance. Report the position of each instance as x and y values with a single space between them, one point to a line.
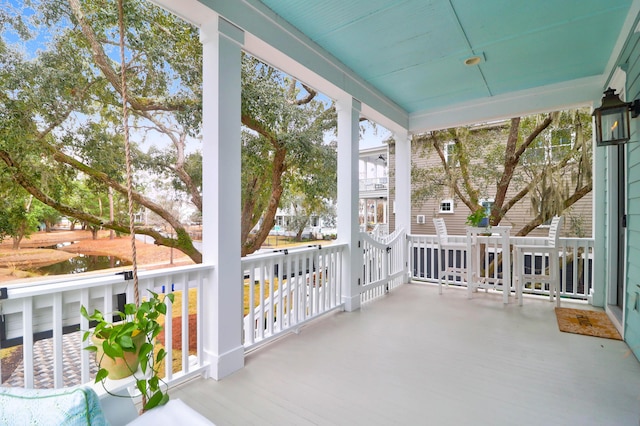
414 357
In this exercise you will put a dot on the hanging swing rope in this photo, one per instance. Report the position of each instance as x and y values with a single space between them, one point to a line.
127 149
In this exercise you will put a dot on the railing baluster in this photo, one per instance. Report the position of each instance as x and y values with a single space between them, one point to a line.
336 276
250 324
199 311
261 316
278 294
184 279
331 284
577 265
318 277
168 331
310 258
27 341
287 315
308 290
269 308
57 340
85 373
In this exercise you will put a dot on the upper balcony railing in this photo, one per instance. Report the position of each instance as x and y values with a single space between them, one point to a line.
374 184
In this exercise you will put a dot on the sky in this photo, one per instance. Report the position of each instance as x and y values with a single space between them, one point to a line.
372 137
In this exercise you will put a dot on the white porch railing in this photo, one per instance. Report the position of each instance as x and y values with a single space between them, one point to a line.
384 264
51 310
283 290
576 266
576 262
379 231
289 287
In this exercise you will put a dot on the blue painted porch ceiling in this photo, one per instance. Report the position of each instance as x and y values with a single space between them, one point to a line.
413 50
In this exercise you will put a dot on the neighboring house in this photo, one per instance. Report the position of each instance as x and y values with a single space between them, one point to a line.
373 203
316 228
578 219
374 187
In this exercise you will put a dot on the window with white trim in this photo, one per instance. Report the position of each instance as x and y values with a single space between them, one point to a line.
550 147
446 206
487 204
450 154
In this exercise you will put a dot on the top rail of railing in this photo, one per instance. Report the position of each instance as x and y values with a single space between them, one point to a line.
57 285
49 311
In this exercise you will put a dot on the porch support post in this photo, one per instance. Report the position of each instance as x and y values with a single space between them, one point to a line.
403 181
603 278
403 187
222 295
348 110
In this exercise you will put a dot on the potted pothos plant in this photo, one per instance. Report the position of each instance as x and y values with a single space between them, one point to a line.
478 218
122 347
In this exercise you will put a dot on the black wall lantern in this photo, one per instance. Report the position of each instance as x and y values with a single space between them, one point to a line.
612 119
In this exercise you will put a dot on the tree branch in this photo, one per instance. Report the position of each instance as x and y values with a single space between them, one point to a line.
538 220
181 243
104 64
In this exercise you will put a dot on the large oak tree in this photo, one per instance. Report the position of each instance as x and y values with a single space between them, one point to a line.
542 159
62 122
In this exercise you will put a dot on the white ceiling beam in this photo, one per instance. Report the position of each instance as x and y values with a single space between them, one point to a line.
554 97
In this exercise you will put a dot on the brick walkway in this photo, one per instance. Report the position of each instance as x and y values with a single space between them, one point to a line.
43 362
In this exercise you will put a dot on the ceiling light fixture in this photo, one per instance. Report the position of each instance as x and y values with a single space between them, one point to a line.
473 60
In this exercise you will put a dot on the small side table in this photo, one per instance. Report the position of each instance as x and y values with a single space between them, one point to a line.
489 259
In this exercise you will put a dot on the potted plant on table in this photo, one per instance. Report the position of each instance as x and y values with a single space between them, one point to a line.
124 346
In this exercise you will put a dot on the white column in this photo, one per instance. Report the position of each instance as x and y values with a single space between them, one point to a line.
348 194
403 181
222 296
605 216
385 210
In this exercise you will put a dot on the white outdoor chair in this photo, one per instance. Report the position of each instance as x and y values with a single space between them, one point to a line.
447 268
546 276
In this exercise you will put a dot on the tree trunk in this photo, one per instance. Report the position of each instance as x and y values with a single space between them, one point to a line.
254 243
112 233
510 163
16 241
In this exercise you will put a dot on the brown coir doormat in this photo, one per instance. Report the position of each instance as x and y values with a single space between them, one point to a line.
590 323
